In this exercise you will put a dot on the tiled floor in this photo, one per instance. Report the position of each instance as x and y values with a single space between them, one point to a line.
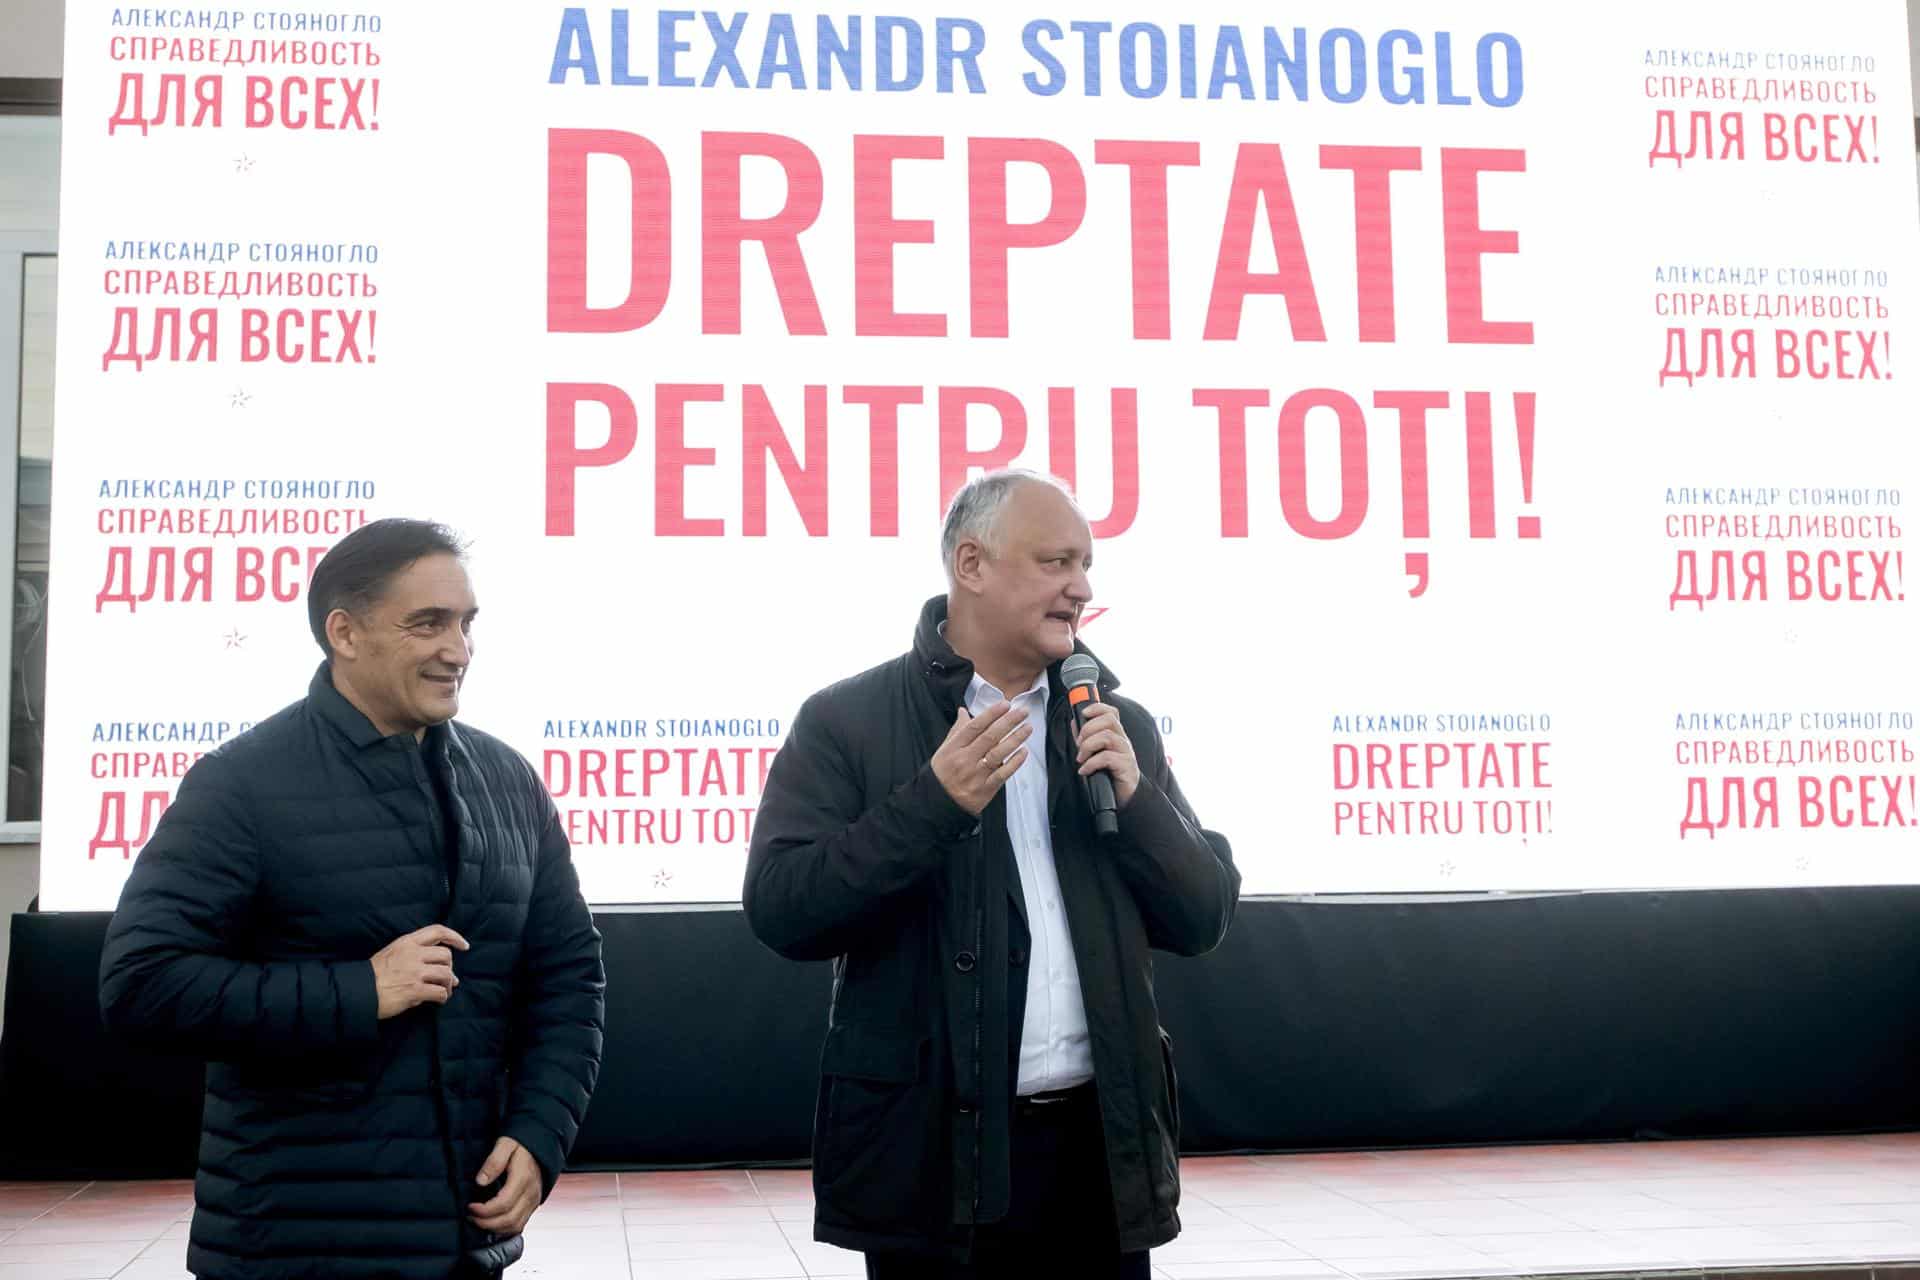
1376 1216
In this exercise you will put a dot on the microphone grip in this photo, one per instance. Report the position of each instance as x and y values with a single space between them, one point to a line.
1106 816
1100 797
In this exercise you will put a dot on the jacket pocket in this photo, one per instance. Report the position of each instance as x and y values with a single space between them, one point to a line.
874 1127
879 1055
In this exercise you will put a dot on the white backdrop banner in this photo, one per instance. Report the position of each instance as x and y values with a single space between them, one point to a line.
1490 429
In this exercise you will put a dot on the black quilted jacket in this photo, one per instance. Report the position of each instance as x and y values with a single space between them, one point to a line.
333 1143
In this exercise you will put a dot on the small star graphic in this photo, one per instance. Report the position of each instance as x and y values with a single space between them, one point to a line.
243 163
1801 863
235 640
661 877
240 399
1447 869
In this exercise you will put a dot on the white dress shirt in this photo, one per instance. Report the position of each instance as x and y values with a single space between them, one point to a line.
1054 1053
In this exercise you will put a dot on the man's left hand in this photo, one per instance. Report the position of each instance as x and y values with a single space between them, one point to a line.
519 1191
1104 745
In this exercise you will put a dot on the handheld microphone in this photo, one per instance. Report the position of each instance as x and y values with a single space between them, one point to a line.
1081 675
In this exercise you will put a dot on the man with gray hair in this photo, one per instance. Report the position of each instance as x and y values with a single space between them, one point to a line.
996 1097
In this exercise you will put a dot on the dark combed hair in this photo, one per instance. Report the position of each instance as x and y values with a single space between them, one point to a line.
357 571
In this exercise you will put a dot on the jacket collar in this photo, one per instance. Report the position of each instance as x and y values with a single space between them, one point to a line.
946 671
352 724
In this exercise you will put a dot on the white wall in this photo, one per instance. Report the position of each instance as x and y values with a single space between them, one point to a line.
29 174
1913 47
30 39
1913 64
19 881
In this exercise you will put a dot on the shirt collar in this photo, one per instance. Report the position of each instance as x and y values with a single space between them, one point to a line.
1039 685
976 684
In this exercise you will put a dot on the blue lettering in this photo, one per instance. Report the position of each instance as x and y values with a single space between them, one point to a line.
1230 51
574 49
1130 81
671 47
1056 74
1394 89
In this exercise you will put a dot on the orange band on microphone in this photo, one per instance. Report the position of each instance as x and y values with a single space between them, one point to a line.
1078 694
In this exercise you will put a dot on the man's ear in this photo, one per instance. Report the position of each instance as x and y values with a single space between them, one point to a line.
969 565
343 633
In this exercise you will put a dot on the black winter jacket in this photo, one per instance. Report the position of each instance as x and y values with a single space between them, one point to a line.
860 856
333 1143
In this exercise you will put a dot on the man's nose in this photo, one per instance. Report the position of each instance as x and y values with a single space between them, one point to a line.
458 650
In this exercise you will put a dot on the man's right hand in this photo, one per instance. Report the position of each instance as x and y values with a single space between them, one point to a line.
416 969
980 754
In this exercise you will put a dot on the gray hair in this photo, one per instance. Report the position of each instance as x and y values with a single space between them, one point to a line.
975 510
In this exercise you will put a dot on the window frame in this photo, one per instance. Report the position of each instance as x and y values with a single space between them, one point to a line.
15 248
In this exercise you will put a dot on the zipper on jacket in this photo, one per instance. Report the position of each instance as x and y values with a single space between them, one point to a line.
436 828
979 1019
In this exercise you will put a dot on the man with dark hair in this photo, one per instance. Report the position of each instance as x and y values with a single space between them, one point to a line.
996 1096
366 918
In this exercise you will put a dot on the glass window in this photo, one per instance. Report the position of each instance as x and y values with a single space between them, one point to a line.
27 669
